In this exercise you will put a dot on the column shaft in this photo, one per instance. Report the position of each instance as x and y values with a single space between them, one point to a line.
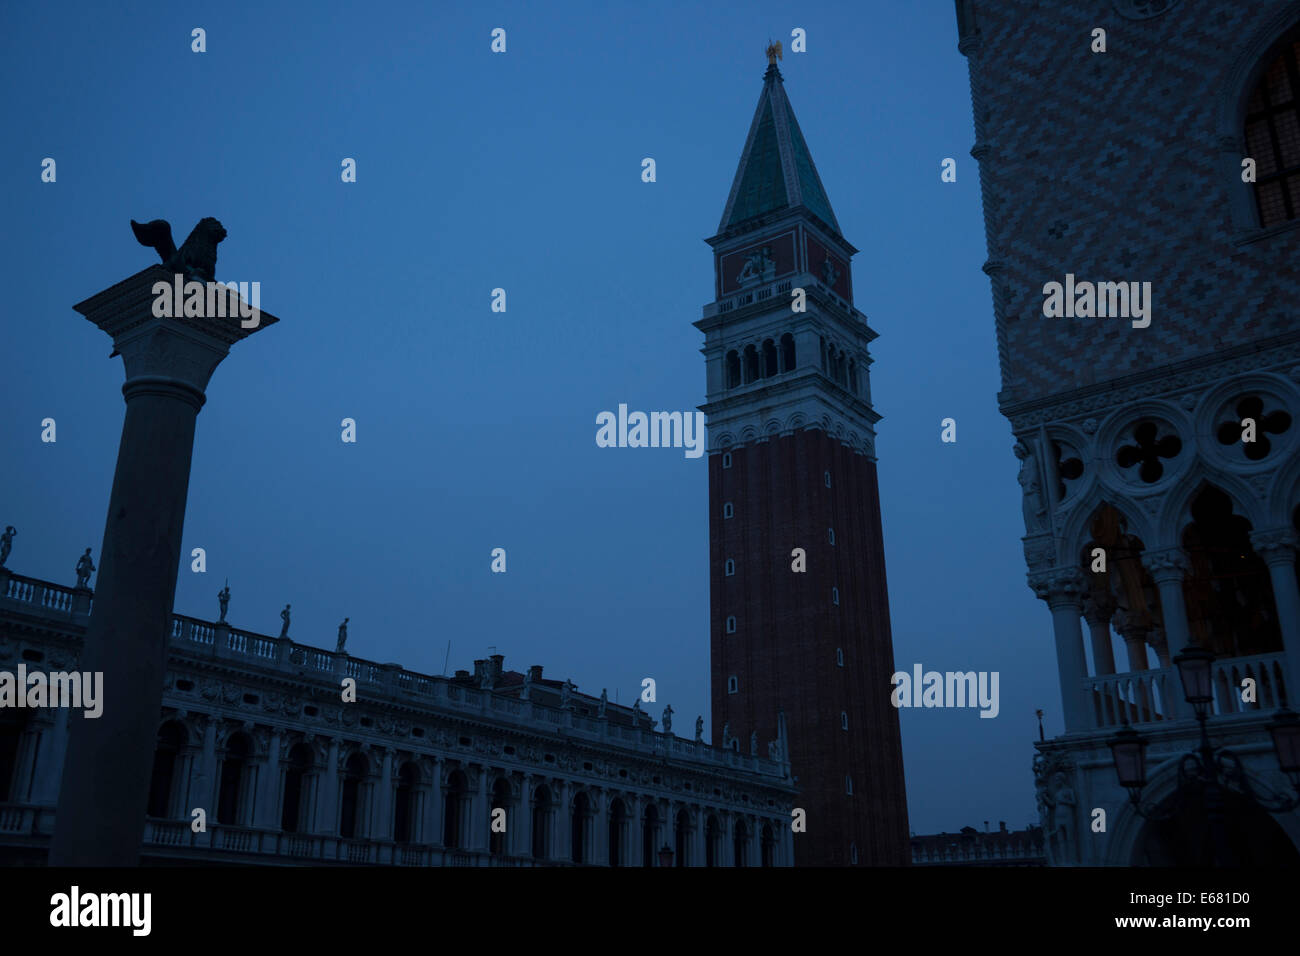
106 773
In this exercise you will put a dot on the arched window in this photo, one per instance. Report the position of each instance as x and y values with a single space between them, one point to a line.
830 535
162 785
12 723
726 459
835 596
542 811
839 657
733 368
731 624
844 720
787 353
497 844
727 510
405 803
751 364
730 568
236 779
1273 137
454 809
352 797
740 843
733 685
769 846
712 837
853 376
769 358
297 790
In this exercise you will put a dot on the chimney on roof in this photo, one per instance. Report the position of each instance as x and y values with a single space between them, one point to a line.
535 673
1002 826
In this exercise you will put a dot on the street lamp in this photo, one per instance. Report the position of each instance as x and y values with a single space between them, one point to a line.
1210 771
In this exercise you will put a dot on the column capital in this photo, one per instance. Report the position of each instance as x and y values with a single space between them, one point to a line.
1166 566
1059 586
1098 609
1131 626
1276 545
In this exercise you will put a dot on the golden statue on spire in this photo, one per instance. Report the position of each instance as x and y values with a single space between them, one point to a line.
773 53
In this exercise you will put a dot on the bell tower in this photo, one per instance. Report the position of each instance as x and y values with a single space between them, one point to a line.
799 608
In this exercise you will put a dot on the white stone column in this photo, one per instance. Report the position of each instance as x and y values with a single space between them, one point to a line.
49 759
432 833
634 841
521 827
562 832
1167 569
728 856
1278 549
327 801
479 816
1098 617
1063 590
203 788
381 816
699 855
600 823
269 786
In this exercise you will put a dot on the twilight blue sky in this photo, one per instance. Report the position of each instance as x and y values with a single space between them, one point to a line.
477 429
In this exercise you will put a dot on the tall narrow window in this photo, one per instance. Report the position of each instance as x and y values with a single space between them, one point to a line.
848 785
835 595
733 369
726 459
826 476
844 720
733 685
839 657
769 358
853 853
1273 137
787 352
731 567
731 624
830 535
727 510
751 364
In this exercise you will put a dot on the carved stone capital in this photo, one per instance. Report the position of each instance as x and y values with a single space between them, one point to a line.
1276 545
1169 565
1059 586
1098 609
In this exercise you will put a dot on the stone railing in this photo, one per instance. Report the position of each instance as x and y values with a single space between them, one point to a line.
1146 697
778 288
192 636
43 594
977 853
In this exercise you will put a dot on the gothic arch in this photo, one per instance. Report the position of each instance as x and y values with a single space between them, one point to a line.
1176 513
1077 533
1283 495
1253 57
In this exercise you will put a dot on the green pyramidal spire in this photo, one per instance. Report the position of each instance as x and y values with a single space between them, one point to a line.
776 170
